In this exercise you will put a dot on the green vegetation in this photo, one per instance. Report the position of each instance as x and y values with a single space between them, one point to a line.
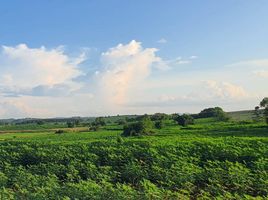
209 159
216 113
159 124
264 104
142 127
184 120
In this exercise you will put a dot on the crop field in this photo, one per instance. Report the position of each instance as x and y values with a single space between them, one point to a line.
207 160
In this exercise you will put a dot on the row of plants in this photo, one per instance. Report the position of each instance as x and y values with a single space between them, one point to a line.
230 169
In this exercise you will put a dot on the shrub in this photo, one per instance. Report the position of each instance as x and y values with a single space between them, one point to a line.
59 131
143 127
70 124
121 121
159 124
99 121
264 104
216 112
158 116
184 120
94 128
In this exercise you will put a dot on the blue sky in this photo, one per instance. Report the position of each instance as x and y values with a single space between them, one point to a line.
214 51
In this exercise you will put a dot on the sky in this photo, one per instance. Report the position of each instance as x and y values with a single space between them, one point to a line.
97 58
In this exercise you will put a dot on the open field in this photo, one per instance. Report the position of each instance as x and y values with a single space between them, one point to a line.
209 159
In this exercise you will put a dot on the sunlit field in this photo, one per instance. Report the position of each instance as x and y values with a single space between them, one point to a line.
209 159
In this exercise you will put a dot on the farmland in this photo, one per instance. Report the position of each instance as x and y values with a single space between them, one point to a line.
209 159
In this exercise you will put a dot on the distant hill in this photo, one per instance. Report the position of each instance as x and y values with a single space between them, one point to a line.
241 115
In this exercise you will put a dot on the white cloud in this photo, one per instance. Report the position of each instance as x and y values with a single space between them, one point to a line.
24 68
250 63
128 80
162 41
47 106
261 73
124 68
193 57
178 61
224 90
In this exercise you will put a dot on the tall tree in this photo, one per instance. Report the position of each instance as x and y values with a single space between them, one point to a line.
264 104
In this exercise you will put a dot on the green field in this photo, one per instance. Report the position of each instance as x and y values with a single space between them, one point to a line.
207 160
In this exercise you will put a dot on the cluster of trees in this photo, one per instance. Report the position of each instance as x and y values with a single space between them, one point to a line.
144 124
184 119
135 170
142 127
260 114
264 104
73 123
97 124
216 112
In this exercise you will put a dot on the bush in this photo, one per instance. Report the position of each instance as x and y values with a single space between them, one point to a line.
158 116
70 124
59 131
216 112
143 127
99 121
264 104
184 120
94 128
121 121
159 124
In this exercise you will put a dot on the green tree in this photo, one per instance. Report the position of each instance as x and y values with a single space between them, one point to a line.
264 104
159 124
257 114
70 124
158 116
184 120
142 127
216 112
99 121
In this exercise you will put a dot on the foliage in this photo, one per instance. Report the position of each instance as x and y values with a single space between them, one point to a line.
216 112
142 127
94 127
60 131
70 124
208 160
159 116
134 170
184 120
99 121
122 122
264 104
257 114
159 124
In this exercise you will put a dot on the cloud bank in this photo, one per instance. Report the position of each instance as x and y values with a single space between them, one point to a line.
127 79
26 71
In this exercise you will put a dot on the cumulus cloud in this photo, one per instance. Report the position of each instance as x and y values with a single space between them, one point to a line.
128 78
224 90
124 68
24 69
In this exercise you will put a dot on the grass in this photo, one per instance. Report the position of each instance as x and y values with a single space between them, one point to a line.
204 129
206 159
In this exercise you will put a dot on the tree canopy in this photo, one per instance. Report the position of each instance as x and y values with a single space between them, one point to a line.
216 112
264 104
184 120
